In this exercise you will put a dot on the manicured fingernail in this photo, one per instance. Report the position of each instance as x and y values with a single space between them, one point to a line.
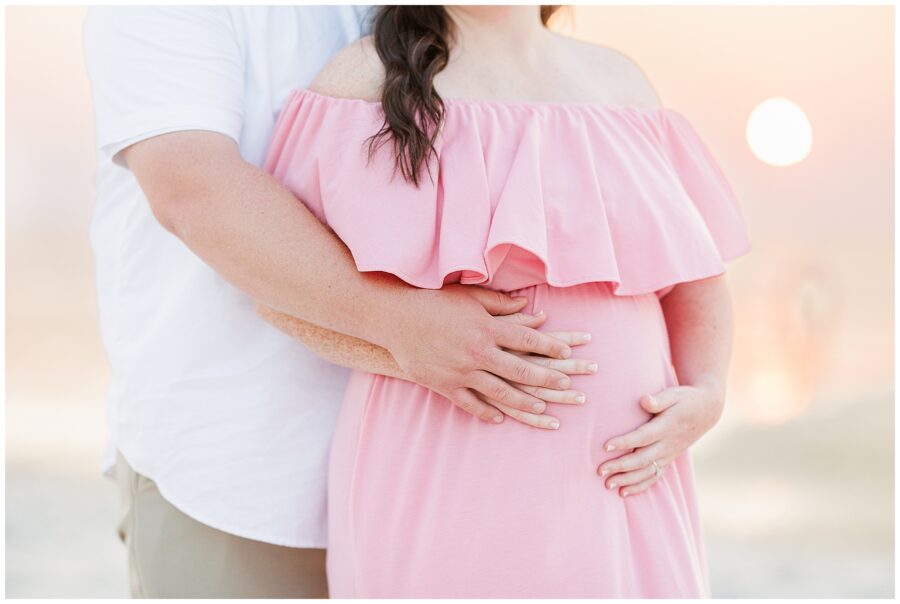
498 419
613 485
604 471
539 313
625 493
586 337
593 367
554 425
610 447
580 398
538 407
563 383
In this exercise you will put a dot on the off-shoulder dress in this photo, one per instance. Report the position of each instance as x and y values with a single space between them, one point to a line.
594 212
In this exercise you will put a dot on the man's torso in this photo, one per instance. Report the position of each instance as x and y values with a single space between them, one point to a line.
229 416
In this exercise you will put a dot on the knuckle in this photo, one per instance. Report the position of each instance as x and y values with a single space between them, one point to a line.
522 372
488 328
530 340
551 379
501 392
477 354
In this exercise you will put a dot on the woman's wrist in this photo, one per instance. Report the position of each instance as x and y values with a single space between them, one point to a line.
710 382
713 388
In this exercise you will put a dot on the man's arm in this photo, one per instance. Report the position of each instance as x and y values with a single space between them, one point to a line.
261 238
354 353
335 347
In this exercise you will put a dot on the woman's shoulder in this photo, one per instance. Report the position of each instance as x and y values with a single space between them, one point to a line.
616 70
355 72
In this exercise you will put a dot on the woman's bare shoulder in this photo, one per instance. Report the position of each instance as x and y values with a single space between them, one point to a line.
617 71
355 72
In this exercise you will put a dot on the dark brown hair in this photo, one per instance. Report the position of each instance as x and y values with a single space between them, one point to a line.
413 43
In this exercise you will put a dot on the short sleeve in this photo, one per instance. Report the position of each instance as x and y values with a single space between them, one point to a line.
707 186
162 69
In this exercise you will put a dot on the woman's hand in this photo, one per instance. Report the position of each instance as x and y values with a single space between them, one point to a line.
699 322
567 366
682 415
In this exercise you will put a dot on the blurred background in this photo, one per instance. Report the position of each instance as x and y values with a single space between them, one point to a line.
796 481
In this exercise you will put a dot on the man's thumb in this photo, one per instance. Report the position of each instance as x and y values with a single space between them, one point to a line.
498 303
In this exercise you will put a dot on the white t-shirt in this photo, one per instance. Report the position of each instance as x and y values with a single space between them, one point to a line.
230 417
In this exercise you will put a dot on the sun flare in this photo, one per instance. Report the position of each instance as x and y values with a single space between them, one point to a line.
779 132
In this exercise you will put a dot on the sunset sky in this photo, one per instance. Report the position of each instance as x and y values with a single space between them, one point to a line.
822 229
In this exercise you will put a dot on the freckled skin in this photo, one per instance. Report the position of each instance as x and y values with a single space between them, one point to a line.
332 346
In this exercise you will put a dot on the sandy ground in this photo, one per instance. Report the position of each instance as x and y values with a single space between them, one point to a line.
801 510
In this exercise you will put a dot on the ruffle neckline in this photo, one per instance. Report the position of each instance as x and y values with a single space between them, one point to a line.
524 192
488 103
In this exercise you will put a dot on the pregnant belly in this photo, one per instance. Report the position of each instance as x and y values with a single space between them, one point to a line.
416 483
629 343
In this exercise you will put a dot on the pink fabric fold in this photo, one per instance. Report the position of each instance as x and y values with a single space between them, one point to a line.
573 193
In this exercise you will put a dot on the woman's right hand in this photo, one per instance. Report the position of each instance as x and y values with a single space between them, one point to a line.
475 347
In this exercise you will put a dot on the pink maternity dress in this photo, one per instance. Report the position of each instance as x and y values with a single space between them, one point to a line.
593 212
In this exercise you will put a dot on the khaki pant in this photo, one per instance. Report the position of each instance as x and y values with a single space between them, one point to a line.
171 555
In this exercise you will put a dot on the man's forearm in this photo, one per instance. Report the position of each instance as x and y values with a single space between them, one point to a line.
261 238
699 321
334 347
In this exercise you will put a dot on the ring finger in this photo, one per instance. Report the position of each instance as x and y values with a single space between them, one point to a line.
636 481
640 487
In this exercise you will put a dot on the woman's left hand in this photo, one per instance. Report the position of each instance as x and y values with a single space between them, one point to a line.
682 414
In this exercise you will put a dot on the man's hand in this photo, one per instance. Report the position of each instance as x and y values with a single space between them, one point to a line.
450 341
682 415
356 353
